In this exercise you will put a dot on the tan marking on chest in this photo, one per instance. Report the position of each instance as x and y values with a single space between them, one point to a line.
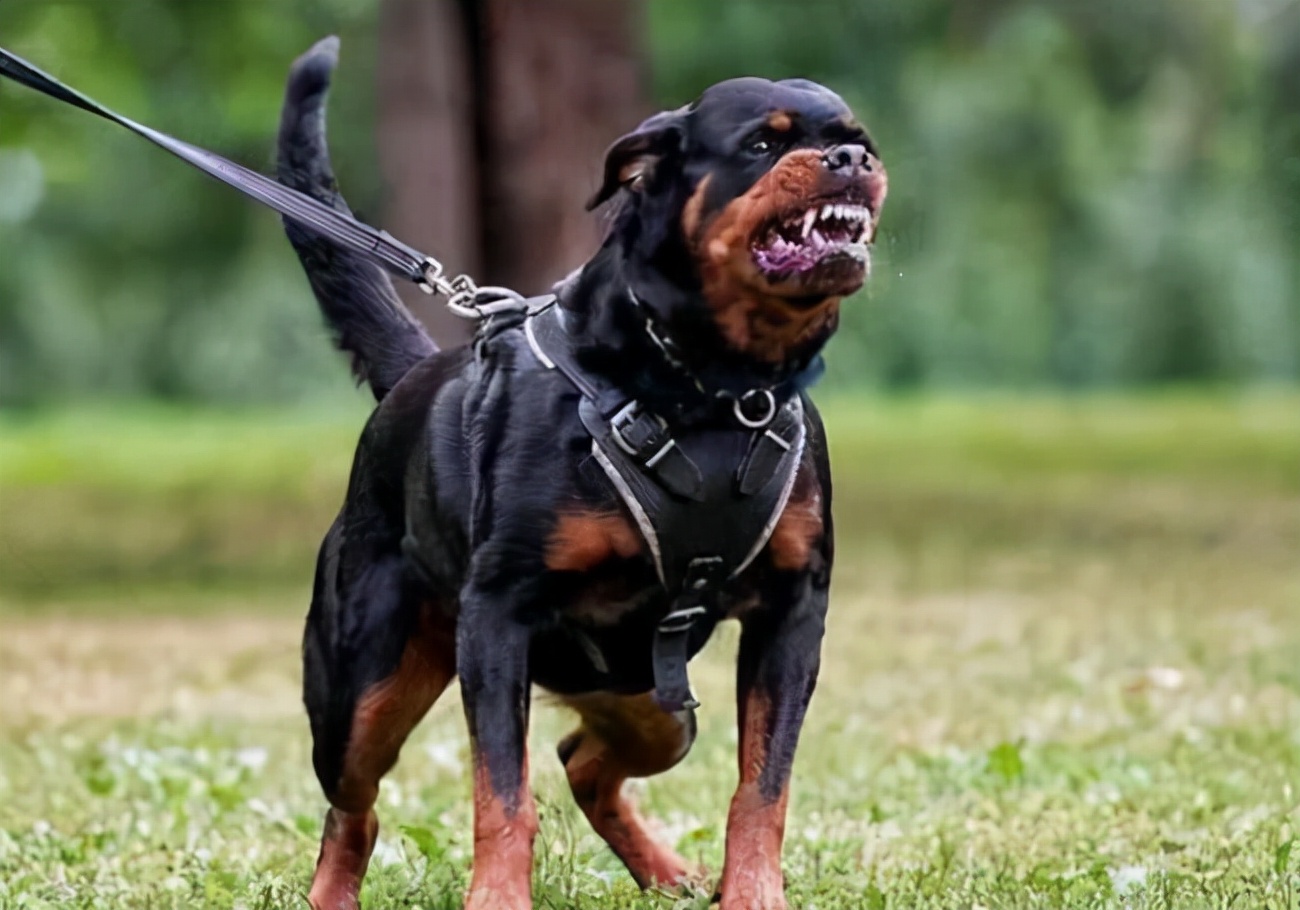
766 326
581 541
797 531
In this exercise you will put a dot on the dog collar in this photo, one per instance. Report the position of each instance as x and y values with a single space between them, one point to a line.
748 405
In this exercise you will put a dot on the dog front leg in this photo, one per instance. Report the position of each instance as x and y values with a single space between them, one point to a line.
780 653
492 660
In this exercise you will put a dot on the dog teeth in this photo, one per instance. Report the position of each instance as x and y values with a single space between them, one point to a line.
855 220
846 213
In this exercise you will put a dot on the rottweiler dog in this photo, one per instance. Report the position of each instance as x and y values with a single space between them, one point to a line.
484 538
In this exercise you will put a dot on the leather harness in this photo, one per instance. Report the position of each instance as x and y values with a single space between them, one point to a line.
704 499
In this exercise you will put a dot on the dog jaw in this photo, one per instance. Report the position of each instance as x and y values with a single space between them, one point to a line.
776 261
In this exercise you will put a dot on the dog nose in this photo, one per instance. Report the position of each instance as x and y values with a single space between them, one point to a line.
853 157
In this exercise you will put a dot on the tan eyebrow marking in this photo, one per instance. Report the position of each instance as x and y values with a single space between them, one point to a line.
780 121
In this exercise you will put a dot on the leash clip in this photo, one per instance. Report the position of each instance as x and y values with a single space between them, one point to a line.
465 298
469 301
460 293
431 279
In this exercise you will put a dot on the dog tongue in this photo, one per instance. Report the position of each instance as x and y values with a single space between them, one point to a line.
783 256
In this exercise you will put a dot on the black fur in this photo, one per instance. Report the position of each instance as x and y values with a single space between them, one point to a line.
368 320
473 456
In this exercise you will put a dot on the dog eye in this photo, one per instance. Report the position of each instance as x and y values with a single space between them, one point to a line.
759 146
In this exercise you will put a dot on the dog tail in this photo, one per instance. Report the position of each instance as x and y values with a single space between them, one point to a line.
355 295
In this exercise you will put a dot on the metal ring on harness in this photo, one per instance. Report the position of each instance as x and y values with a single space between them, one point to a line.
738 406
469 301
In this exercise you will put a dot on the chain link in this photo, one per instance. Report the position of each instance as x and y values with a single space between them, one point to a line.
431 280
465 298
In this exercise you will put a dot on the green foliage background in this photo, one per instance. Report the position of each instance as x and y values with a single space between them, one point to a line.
1083 194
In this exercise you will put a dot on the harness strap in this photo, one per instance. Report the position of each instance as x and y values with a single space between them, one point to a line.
670 651
705 499
642 435
647 439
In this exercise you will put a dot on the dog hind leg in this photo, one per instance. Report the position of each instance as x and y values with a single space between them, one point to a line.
376 658
620 737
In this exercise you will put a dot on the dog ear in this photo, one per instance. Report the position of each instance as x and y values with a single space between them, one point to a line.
630 158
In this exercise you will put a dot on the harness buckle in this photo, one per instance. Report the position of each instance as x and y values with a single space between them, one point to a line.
670 649
680 620
638 432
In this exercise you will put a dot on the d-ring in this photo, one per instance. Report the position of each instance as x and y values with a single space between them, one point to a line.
738 407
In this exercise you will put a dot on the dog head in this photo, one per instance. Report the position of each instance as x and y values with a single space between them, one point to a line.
760 200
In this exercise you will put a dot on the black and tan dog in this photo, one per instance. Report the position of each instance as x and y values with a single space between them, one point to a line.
492 532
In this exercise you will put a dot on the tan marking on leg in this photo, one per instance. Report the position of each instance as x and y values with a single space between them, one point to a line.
622 737
344 855
751 874
384 717
503 846
752 877
387 713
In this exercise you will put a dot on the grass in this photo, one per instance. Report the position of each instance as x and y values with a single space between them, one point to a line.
1061 671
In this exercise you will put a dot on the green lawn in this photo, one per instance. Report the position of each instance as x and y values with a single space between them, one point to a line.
1063 669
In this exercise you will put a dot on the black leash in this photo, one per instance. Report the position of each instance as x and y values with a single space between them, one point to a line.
395 256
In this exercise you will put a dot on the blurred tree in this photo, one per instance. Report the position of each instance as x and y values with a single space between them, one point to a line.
492 120
428 142
562 79
130 273
1083 194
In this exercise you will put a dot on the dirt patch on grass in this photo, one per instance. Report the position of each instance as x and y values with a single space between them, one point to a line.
56 670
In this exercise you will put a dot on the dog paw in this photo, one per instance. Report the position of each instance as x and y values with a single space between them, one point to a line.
757 893
754 902
333 898
681 879
498 898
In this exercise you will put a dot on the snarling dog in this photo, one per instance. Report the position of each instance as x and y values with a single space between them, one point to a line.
577 498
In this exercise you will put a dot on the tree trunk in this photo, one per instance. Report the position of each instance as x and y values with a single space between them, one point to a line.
563 79
426 144
493 119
